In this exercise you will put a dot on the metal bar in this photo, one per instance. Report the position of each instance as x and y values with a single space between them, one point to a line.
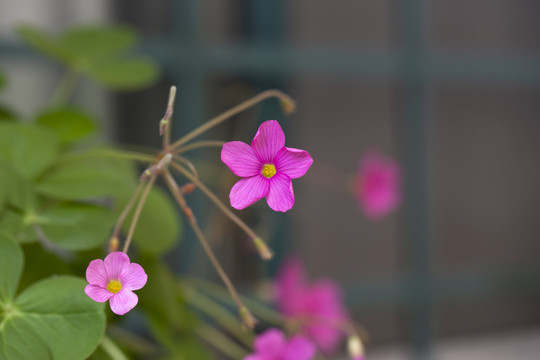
283 60
412 95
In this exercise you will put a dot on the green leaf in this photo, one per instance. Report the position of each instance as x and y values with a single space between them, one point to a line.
52 319
158 227
20 202
41 264
69 124
126 73
6 114
3 81
91 44
30 149
161 300
11 264
41 42
88 176
77 226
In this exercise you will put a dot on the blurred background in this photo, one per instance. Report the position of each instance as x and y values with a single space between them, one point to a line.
451 89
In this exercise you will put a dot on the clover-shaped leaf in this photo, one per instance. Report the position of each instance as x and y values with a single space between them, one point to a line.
51 319
69 124
30 149
100 52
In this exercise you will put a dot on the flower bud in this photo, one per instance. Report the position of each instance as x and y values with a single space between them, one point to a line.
187 188
113 244
248 319
264 251
355 347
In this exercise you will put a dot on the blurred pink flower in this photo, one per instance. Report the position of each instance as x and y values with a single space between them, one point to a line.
378 185
272 345
114 279
267 167
317 305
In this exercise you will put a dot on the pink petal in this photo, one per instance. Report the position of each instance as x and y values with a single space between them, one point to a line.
293 162
299 348
290 283
97 293
255 357
123 301
323 300
268 141
240 158
115 263
248 191
133 277
378 185
270 343
280 196
96 273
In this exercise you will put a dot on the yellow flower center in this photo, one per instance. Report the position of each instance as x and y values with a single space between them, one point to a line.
114 286
268 170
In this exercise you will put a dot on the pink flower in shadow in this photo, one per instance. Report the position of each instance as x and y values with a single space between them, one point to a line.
378 185
114 279
272 345
317 305
267 168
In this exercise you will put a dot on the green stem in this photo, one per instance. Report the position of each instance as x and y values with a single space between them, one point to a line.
112 349
200 144
119 154
65 87
138 210
217 312
262 311
221 342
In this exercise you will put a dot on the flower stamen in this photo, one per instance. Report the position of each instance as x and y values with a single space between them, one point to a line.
268 170
114 286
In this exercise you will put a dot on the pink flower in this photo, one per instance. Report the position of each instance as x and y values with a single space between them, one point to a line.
318 305
377 185
272 345
114 279
267 167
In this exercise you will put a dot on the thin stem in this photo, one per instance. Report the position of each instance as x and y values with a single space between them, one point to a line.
112 349
65 87
189 164
199 144
126 211
175 190
215 310
286 101
138 211
110 153
165 124
263 249
220 342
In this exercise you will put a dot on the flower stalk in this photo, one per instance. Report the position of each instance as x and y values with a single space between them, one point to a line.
247 318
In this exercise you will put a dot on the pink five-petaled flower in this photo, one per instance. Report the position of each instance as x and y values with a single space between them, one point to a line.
377 185
114 279
267 167
272 345
318 306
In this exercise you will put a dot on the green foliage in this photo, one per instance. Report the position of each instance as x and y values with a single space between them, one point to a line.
30 148
99 52
31 322
69 124
158 227
75 226
84 176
